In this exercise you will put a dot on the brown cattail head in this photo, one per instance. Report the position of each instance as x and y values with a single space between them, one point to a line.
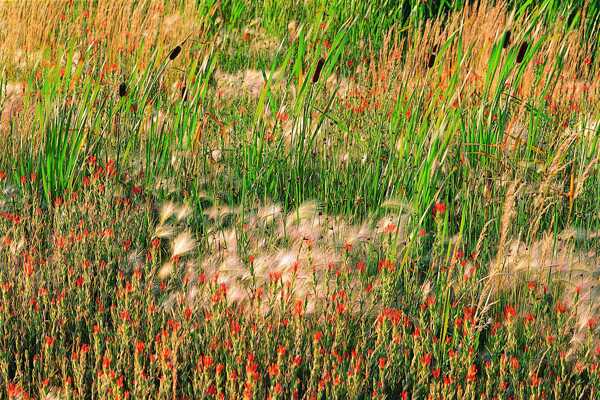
432 56
431 60
184 93
522 51
122 89
317 73
175 52
506 39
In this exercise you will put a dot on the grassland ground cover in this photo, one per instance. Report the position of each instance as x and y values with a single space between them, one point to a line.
299 199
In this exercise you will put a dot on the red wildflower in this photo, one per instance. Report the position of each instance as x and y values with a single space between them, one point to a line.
282 116
535 380
187 313
207 361
49 341
173 325
139 346
361 266
278 389
317 336
124 315
390 228
561 307
281 350
426 360
514 363
212 390
439 208
298 308
297 361
273 370
509 312
472 373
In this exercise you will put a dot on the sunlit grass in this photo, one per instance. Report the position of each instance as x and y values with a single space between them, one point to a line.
221 199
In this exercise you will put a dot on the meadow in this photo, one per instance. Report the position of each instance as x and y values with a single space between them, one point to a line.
311 199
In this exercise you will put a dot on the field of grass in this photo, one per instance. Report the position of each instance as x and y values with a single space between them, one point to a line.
311 199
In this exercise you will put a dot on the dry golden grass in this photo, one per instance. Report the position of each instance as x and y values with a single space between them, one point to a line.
114 30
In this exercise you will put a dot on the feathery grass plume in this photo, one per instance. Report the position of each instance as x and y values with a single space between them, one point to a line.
216 155
183 212
164 231
182 244
166 270
522 51
218 212
249 83
299 256
166 211
306 211
16 246
317 74
122 89
497 276
554 258
269 213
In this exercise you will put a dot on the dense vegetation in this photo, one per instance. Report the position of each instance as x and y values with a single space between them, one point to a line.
285 199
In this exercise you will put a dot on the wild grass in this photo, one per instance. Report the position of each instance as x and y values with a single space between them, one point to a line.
282 200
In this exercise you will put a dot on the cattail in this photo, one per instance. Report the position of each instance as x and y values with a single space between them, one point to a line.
431 60
506 39
317 73
432 56
175 52
123 89
184 93
522 51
